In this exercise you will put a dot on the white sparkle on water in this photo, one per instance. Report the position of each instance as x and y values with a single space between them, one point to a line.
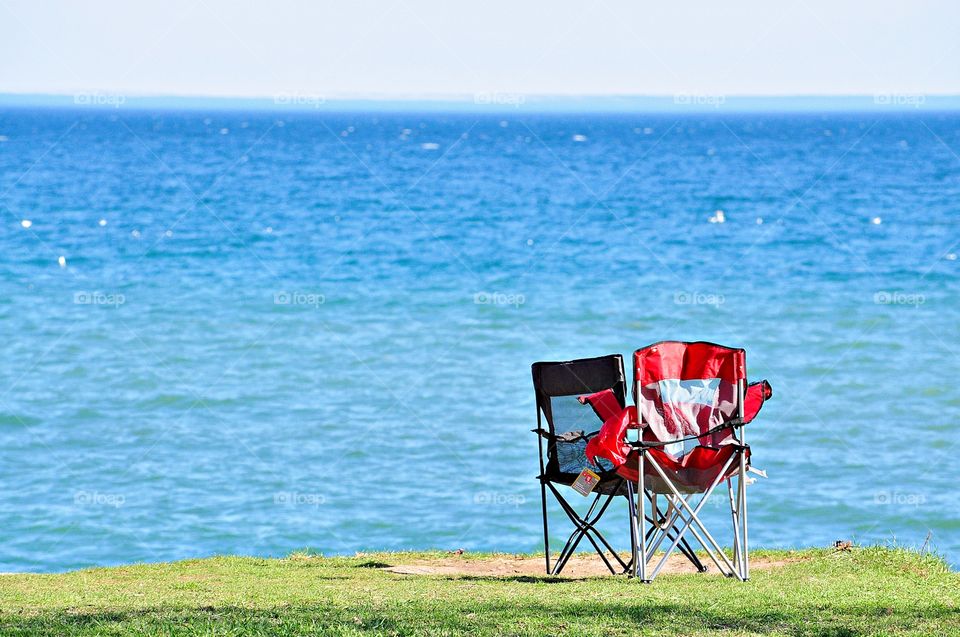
718 217
26 223
62 260
876 221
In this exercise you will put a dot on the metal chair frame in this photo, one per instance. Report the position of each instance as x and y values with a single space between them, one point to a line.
585 525
685 515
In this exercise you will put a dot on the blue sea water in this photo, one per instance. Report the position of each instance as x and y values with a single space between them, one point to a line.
285 331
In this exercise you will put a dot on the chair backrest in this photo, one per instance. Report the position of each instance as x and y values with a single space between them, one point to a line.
557 386
687 389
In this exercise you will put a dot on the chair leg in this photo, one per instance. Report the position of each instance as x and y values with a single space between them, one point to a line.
634 540
666 529
735 517
597 548
589 524
546 531
640 568
684 546
687 525
694 519
585 527
578 532
743 512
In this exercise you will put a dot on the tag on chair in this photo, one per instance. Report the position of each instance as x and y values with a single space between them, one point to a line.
585 482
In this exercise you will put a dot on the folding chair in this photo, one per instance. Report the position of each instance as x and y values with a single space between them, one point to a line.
692 401
562 427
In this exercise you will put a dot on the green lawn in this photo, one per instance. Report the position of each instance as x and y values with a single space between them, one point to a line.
871 591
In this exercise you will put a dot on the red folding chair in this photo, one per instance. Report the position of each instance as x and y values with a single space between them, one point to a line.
692 402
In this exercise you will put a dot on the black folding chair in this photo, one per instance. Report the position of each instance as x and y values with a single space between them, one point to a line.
563 426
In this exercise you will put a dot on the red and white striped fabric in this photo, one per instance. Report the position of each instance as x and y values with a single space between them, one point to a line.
686 389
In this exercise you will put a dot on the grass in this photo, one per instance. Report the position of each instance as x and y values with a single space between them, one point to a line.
871 591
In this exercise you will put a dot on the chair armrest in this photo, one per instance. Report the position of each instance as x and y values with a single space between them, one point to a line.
567 436
605 404
609 443
757 394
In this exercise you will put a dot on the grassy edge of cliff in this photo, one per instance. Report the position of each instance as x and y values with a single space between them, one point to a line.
864 591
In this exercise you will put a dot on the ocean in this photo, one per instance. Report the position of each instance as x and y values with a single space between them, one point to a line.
263 332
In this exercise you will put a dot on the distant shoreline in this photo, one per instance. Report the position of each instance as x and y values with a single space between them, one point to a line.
498 102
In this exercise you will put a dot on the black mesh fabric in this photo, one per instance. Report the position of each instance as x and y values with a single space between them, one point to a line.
557 387
570 416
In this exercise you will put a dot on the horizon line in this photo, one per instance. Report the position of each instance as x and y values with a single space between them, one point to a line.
494 101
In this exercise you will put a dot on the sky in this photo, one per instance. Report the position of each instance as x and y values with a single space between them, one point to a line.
435 48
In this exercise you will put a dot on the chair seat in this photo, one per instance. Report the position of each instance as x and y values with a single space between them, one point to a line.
693 472
610 482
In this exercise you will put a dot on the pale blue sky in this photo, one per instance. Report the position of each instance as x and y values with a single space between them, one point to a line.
408 48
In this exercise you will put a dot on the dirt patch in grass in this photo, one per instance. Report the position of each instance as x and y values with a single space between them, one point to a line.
579 566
